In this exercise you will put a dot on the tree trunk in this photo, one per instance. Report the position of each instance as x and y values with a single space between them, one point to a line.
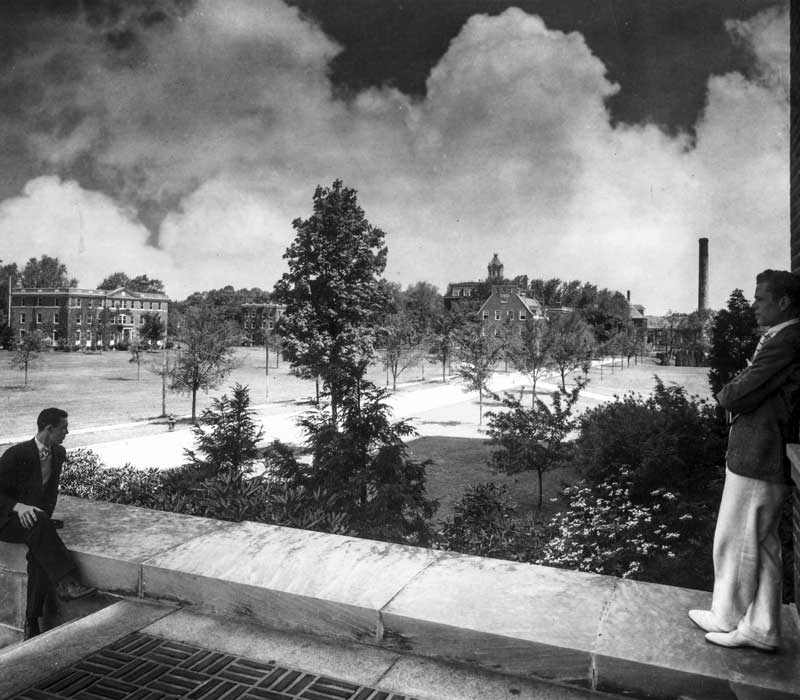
539 473
194 405
480 406
444 367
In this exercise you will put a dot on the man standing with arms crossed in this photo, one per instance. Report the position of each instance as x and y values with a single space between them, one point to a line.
764 400
29 474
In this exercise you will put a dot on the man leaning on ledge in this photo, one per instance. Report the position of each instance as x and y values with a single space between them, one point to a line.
29 474
763 399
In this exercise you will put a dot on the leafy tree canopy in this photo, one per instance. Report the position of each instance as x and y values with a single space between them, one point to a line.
333 295
206 356
140 283
46 272
227 301
734 336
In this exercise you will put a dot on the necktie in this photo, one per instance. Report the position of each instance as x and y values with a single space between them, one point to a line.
44 454
763 339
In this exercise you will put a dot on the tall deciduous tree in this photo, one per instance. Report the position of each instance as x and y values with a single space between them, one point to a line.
46 272
423 305
445 331
572 338
400 344
478 354
152 328
27 352
206 354
114 281
734 336
140 283
532 439
533 355
332 292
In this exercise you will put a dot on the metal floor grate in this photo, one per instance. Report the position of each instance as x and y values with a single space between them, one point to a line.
142 667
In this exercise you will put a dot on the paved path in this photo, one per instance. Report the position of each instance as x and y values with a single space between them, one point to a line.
434 409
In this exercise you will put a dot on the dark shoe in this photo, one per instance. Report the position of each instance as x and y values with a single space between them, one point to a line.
31 627
70 589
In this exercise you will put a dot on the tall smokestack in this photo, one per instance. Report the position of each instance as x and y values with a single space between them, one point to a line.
702 284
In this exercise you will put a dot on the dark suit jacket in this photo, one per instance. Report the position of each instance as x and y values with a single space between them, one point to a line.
765 398
21 479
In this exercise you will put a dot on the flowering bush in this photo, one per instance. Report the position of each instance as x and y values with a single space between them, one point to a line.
605 532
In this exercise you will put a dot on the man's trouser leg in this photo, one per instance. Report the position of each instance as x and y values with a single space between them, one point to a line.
747 558
48 559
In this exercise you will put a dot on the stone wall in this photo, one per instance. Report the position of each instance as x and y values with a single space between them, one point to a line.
521 620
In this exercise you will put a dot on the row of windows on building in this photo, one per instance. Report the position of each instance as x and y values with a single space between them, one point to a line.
75 302
249 324
498 315
120 319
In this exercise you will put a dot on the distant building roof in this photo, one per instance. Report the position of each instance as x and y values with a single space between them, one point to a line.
75 291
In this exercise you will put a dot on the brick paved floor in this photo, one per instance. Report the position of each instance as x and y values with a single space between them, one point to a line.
143 667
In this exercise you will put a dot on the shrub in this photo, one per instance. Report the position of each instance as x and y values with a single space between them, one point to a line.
484 523
227 436
85 476
532 439
604 531
359 474
668 440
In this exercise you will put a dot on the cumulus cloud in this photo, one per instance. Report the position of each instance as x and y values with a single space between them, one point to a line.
88 231
226 120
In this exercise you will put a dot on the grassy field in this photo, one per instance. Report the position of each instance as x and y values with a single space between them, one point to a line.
457 463
105 388
102 389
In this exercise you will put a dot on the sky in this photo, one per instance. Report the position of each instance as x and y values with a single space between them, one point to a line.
592 140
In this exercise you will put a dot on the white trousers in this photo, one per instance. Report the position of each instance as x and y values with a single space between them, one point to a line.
747 558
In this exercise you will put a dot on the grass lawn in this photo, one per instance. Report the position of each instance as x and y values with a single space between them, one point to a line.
105 388
640 378
459 462
102 389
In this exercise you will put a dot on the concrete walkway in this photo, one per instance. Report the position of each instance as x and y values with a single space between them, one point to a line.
434 408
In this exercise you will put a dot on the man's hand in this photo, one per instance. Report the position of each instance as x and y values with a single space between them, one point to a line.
27 514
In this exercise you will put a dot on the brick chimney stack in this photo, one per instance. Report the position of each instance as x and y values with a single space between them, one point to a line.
702 286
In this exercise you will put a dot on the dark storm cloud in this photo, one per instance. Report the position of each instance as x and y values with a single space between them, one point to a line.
211 124
660 53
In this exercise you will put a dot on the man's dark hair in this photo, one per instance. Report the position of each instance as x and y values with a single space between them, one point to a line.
782 283
50 416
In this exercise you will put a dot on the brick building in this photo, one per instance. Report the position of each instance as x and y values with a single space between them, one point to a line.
507 311
458 292
87 318
259 319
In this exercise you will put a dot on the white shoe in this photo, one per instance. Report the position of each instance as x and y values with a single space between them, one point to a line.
736 639
704 619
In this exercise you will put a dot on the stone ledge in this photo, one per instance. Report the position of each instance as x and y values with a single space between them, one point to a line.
518 619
